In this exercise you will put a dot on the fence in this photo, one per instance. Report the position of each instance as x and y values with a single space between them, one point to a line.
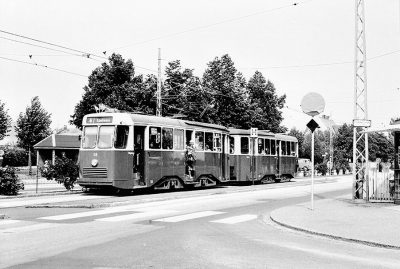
381 184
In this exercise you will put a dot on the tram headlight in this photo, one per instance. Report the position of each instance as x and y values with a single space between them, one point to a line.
94 162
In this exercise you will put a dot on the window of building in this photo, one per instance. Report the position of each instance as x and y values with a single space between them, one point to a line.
167 138
244 145
106 137
155 137
178 139
217 142
121 138
273 147
261 147
267 146
89 137
231 144
199 140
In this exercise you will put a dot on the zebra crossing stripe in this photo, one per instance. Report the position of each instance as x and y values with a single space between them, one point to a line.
137 216
190 216
236 219
28 228
9 221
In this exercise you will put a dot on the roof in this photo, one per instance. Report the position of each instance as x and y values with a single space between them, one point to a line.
59 141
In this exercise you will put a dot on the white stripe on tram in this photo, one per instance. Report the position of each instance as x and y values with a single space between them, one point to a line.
236 219
190 216
137 216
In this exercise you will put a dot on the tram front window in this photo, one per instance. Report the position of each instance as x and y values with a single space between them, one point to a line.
121 137
89 137
106 137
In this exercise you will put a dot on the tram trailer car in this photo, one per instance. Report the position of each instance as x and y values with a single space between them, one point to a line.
267 158
130 151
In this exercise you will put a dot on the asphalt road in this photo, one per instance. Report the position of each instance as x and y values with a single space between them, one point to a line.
217 228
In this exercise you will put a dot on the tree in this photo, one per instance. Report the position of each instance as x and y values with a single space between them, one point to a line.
266 104
227 102
5 121
32 126
300 138
114 84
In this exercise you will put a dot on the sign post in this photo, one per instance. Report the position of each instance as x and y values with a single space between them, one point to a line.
312 104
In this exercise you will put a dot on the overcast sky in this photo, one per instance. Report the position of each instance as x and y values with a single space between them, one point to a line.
300 48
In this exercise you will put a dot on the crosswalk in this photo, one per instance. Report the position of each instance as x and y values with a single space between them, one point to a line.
13 226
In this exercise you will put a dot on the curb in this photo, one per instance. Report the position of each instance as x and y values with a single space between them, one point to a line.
335 237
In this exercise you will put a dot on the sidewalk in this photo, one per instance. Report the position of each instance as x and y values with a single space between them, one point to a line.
344 219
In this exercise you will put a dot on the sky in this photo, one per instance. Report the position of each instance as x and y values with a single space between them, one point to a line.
308 47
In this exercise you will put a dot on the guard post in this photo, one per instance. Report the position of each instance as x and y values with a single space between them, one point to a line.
396 196
253 136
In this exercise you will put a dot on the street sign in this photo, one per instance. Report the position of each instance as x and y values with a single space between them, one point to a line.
312 104
312 125
253 132
361 123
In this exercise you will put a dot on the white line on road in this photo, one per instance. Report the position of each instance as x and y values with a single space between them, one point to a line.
28 228
190 216
9 221
137 216
34 201
236 219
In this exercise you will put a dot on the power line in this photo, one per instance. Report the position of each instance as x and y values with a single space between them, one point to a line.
44 66
214 24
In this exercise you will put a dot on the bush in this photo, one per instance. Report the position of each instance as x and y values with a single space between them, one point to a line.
16 156
9 182
65 171
321 168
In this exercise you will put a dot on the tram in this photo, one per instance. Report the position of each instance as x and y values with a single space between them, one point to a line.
266 158
130 151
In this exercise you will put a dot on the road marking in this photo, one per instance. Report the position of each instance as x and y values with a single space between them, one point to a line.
28 228
190 216
18 202
137 216
236 219
9 221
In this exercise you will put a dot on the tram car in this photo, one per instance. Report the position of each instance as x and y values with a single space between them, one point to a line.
130 151
266 158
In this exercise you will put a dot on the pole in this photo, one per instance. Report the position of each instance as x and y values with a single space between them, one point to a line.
158 111
312 170
253 163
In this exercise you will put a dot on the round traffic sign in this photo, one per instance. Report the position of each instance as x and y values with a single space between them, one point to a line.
313 104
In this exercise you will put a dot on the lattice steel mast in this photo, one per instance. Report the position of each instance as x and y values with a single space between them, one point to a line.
360 139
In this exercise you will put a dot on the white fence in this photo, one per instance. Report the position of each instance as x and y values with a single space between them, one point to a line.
381 184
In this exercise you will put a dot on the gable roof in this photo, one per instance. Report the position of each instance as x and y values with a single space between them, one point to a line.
59 141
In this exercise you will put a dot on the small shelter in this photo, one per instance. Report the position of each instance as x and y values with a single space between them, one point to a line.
65 142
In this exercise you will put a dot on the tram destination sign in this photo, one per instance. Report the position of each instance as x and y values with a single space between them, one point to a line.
94 120
361 123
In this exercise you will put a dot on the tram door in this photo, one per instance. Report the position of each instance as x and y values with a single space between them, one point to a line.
278 160
223 157
138 159
189 158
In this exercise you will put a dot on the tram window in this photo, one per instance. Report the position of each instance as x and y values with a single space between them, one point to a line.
261 148
244 145
293 148
267 146
217 142
167 138
283 148
288 149
209 142
89 137
155 138
106 137
178 139
121 137
231 144
273 147
199 140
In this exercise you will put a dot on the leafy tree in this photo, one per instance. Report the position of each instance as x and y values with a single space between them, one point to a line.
5 121
32 127
321 146
114 84
15 156
265 104
227 91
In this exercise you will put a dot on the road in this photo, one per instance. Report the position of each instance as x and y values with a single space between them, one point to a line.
217 228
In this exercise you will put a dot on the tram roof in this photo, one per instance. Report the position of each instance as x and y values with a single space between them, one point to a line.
234 131
155 120
286 137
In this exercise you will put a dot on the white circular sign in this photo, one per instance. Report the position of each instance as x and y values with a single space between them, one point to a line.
313 104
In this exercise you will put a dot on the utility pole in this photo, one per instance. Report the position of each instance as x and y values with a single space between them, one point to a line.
360 122
158 110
